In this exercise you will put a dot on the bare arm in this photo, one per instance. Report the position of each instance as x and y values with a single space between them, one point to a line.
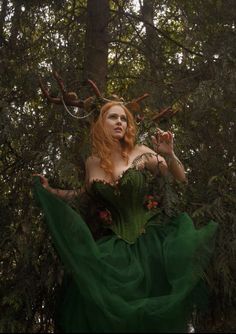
167 164
66 195
176 167
164 163
163 143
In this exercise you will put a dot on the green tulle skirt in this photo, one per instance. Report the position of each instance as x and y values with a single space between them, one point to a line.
112 286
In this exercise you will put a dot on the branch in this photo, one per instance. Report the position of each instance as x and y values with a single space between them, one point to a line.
162 33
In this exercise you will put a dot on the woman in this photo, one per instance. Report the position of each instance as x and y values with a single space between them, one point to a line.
143 276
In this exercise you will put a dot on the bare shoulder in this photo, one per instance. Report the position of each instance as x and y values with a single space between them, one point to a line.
92 161
92 166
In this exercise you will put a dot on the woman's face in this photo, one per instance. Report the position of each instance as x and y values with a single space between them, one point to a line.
116 122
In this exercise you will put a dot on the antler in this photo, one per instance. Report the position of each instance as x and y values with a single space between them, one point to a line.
68 98
71 98
95 88
164 114
134 106
144 96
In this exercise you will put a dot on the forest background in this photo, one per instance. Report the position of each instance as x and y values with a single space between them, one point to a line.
180 52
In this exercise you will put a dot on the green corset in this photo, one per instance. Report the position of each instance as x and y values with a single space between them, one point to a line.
125 202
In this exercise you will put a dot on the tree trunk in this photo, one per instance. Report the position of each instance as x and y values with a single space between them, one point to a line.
96 42
153 51
2 21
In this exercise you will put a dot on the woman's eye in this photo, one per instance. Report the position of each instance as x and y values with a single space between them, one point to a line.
123 118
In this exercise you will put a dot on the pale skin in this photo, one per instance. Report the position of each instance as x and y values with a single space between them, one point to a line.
116 123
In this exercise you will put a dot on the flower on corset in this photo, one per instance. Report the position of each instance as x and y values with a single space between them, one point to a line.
151 202
105 216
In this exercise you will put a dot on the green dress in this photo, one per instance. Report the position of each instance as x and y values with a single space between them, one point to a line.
142 277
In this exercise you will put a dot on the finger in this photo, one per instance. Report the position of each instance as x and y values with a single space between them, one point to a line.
159 139
164 137
159 131
155 143
158 135
154 139
170 136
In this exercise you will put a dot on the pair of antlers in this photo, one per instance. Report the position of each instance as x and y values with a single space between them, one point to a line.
71 99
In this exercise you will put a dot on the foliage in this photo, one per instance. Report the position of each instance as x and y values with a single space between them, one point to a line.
183 54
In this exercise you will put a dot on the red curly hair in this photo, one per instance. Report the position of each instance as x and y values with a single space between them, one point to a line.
102 141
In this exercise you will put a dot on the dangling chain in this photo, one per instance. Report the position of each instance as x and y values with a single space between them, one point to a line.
78 117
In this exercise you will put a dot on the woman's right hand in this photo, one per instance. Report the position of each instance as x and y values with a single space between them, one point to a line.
43 180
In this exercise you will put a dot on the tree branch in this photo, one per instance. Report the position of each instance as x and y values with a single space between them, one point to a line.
161 32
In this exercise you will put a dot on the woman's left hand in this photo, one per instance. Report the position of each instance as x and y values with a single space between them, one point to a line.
163 142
